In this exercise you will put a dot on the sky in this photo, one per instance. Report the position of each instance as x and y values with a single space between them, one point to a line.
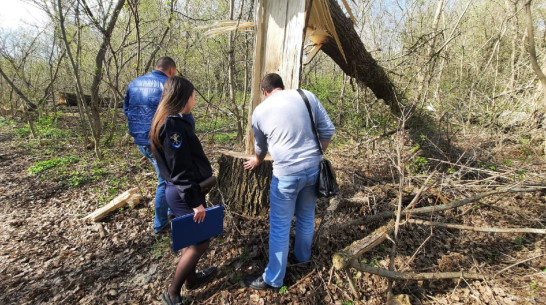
17 13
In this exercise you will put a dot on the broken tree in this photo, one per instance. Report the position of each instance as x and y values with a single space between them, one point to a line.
281 29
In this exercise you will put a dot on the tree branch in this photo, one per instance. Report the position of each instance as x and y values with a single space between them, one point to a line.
477 229
412 275
443 207
30 104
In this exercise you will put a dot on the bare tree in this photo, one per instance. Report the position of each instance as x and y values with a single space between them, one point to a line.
534 62
106 32
231 71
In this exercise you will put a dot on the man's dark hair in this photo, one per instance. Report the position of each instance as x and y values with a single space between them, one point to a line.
272 81
164 63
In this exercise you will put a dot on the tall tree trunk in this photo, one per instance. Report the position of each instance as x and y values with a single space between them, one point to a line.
75 69
231 73
425 75
535 65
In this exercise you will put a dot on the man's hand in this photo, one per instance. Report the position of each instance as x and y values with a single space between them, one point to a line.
251 163
199 214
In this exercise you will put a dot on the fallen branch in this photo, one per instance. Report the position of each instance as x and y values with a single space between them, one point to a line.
515 264
412 275
443 207
477 229
343 258
116 203
354 202
301 280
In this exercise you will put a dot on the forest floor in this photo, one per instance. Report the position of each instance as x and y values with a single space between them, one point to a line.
48 255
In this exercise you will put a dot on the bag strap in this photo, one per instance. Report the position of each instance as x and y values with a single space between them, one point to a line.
306 100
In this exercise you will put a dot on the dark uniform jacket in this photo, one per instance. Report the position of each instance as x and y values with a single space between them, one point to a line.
182 160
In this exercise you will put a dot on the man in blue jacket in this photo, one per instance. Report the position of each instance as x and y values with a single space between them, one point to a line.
140 103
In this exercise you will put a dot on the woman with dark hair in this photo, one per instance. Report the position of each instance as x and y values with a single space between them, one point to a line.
183 164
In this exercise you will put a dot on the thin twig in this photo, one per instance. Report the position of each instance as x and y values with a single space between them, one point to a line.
515 264
327 285
302 279
352 283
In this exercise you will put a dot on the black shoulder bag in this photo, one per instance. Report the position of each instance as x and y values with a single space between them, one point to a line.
326 184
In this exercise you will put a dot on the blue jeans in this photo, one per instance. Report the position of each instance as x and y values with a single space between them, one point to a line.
161 218
290 195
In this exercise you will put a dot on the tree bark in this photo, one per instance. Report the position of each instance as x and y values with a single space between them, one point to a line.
244 191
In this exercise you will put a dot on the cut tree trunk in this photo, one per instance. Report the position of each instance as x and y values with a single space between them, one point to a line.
243 191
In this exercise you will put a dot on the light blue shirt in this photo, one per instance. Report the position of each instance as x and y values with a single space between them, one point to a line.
282 126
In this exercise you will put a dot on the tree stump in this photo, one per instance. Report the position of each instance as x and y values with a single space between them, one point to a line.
243 191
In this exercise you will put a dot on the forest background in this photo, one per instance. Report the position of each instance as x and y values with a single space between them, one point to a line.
469 68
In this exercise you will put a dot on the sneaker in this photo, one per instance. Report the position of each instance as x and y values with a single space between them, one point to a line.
202 277
257 282
166 299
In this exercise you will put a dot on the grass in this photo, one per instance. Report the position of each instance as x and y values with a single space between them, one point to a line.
59 163
6 122
158 249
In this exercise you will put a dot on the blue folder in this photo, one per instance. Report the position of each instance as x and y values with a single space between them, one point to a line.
186 232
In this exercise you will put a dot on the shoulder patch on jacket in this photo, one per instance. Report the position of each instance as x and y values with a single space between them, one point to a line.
175 139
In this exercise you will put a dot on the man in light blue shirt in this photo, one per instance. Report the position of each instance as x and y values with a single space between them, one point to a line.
282 127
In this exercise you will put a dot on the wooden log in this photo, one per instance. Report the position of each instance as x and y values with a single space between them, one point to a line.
71 99
134 200
343 258
113 205
243 191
